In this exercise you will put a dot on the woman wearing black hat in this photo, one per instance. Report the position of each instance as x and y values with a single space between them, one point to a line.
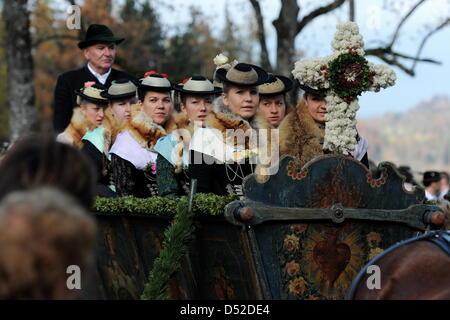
197 96
219 161
132 155
88 131
155 98
272 99
302 131
121 95
325 119
87 116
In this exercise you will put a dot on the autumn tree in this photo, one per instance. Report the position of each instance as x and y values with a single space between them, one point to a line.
233 42
191 50
55 46
143 49
22 111
188 50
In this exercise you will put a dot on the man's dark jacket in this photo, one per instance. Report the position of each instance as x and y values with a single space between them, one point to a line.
65 97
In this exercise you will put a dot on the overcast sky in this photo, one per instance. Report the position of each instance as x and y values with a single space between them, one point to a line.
375 23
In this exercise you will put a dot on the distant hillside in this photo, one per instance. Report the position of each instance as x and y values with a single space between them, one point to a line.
419 137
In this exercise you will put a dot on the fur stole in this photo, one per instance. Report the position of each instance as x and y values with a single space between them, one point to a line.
301 136
182 121
111 124
79 126
76 129
222 118
143 129
171 124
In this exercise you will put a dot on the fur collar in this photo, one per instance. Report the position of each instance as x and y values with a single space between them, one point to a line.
111 124
300 136
171 124
222 118
181 121
143 129
77 127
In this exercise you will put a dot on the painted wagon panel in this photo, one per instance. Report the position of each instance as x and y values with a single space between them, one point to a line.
325 223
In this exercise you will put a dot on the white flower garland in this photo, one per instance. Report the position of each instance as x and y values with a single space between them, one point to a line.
347 36
385 77
340 126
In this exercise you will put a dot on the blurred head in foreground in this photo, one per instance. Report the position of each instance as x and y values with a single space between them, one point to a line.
43 232
36 161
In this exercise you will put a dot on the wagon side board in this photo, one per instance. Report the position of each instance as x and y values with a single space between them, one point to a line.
310 231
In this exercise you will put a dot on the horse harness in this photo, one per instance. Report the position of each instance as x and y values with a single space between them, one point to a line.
439 238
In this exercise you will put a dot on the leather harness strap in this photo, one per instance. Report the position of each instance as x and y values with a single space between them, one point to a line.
442 240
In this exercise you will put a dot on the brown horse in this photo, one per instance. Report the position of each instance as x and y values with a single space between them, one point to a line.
416 269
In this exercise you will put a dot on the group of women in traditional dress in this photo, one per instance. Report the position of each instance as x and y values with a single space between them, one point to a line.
141 146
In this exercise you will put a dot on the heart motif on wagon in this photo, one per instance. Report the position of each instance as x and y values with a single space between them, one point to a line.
331 257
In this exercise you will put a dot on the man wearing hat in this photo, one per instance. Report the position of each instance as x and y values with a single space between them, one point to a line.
432 184
99 49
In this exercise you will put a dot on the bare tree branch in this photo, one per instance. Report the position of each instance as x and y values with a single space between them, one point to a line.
389 52
395 62
394 38
265 62
425 39
390 56
318 12
351 8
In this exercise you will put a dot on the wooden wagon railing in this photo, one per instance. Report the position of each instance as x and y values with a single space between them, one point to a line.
302 234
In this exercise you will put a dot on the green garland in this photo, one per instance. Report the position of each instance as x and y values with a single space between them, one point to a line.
337 73
204 204
176 238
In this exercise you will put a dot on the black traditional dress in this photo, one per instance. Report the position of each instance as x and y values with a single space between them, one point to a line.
95 147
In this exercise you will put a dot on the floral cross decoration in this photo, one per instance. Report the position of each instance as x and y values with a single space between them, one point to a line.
344 75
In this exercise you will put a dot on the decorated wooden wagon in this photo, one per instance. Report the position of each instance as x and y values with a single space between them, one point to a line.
299 235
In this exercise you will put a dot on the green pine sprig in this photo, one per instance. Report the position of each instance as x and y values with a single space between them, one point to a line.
176 239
